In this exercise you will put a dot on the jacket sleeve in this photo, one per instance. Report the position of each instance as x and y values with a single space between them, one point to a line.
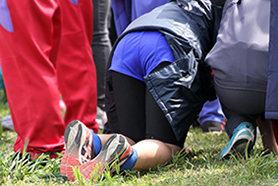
271 108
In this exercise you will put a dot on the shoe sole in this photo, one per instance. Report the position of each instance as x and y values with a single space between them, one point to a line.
238 146
121 150
75 135
237 149
212 127
214 133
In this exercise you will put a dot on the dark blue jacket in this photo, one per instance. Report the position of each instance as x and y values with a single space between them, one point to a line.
271 110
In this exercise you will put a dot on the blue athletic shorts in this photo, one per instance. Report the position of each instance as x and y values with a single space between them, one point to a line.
138 53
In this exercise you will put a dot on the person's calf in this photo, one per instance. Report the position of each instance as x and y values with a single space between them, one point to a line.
268 136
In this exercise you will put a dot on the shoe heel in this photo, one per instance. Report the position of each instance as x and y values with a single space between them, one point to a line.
68 129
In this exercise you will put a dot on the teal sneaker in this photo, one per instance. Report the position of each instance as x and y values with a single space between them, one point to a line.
243 137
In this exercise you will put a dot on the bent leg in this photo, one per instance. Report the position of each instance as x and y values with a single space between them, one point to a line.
160 142
129 94
153 152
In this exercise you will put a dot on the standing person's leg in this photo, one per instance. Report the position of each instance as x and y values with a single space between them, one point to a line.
75 66
268 135
272 84
212 117
101 47
28 52
275 129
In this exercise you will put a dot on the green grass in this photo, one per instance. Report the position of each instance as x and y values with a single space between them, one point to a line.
202 168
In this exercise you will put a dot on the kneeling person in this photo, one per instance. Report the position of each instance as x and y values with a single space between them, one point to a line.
157 84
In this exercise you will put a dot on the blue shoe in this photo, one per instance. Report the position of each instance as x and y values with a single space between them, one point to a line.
243 137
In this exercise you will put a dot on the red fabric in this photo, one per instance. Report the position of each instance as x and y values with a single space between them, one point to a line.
49 52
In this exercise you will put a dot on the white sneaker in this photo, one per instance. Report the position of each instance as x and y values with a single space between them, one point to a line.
101 117
7 122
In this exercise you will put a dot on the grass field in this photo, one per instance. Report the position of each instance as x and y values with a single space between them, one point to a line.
201 168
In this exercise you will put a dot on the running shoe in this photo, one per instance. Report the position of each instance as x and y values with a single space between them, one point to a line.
243 137
114 153
212 127
7 122
78 148
101 118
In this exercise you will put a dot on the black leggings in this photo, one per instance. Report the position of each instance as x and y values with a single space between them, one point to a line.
139 115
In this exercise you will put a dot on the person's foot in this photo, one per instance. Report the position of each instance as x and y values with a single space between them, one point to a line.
78 148
243 137
212 127
114 153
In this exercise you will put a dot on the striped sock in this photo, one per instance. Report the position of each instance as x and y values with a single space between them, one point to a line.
96 144
130 162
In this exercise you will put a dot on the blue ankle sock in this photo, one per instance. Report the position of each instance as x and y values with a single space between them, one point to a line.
130 162
96 143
